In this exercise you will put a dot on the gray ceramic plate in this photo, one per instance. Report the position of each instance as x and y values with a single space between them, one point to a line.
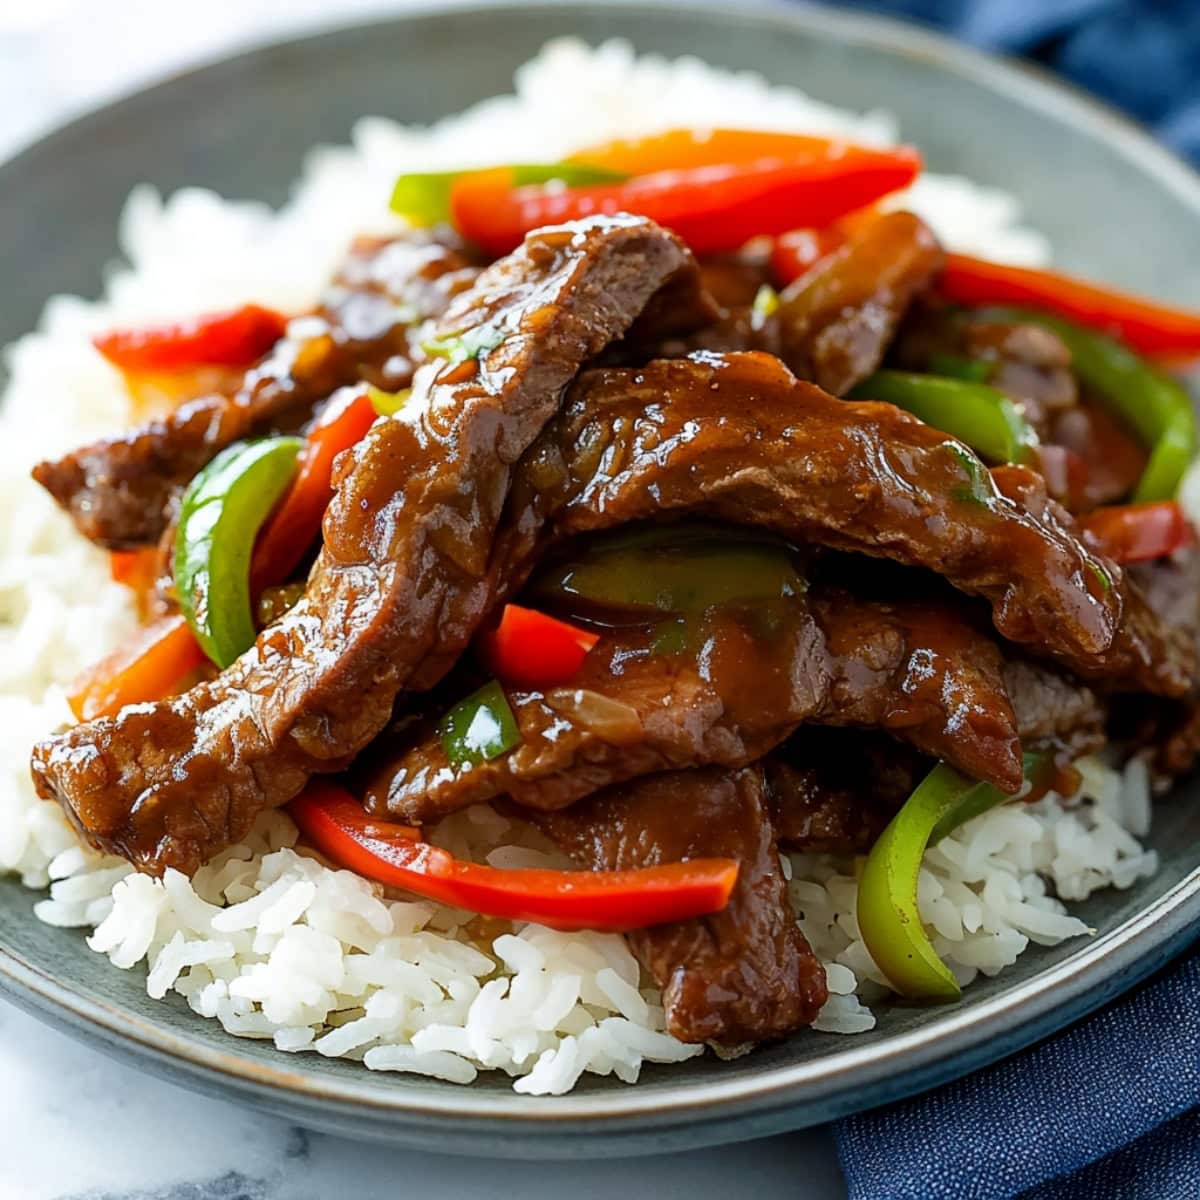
1116 206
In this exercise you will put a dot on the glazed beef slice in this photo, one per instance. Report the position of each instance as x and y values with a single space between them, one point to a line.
405 574
121 491
744 974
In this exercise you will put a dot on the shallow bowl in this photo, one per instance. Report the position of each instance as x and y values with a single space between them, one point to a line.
1116 206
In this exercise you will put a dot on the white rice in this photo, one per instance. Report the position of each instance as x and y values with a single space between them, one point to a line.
266 939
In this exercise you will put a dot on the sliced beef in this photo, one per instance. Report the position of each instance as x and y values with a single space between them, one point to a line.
921 670
915 668
1172 589
1054 711
629 712
833 791
1028 362
1170 729
837 320
1111 459
738 438
401 582
1149 653
120 491
734 280
745 974
834 324
1032 366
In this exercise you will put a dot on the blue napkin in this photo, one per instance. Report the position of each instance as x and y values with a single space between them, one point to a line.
1109 1109
1141 55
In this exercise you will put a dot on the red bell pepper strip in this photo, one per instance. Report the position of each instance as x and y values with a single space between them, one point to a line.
236 338
296 521
713 208
1138 532
614 901
162 653
149 666
528 649
1154 329
794 252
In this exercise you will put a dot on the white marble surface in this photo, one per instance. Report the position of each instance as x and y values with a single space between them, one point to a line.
73 1123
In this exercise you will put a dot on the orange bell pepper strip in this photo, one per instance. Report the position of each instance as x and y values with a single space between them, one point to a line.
1154 329
236 338
679 149
160 655
138 570
149 666
528 649
715 208
339 827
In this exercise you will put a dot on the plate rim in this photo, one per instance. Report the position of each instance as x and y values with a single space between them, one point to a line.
822 1087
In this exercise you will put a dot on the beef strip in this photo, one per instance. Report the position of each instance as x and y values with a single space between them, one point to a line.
738 438
1169 729
1054 712
121 491
744 974
833 791
401 582
1028 362
1111 457
734 280
916 668
1149 653
1032 366
836 321
834 324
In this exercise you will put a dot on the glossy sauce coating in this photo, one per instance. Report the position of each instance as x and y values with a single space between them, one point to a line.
745 974
914 668
737 438
121 491
401 582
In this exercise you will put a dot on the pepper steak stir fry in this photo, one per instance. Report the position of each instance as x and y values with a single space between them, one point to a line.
685 533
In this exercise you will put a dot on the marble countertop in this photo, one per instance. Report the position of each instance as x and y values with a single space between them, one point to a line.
79 1126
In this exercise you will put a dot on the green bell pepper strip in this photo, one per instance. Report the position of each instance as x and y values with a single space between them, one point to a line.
424 197
1153 404
388 404
982 417
888 917
469 344
982 797
220 516
956 366
680 569
766 302
479 728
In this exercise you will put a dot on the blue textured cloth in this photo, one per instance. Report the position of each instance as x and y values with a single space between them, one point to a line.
1142 56
1104 1111
1109 1109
